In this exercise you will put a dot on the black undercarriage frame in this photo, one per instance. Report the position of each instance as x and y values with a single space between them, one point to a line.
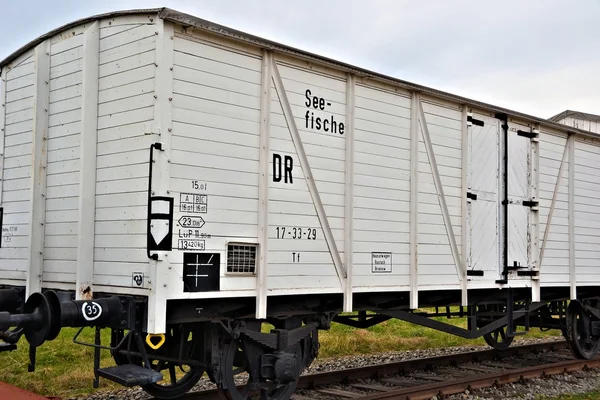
487 311
222 337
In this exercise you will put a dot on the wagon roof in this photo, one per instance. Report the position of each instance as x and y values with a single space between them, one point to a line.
190 20
576 114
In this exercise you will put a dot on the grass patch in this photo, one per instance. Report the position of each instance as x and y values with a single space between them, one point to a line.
584 396
395 335
65 369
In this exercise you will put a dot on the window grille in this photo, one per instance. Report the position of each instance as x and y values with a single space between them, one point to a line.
241 259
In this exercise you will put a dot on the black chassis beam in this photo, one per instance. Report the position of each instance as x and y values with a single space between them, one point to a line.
384 305
458 331
199 310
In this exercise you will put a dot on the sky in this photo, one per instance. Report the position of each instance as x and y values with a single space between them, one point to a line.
538 57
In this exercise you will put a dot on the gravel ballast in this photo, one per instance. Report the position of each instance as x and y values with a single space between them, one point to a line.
579 382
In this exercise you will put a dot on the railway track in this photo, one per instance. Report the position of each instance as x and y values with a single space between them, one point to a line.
443 375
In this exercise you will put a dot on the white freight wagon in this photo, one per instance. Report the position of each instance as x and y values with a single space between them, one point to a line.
180 182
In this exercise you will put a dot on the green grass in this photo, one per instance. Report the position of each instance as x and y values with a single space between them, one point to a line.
63 368
395 335
585 396
66 369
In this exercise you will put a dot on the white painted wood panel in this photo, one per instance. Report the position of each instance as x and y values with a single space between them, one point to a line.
126 89
215 143
64 122
381 184
555 262
300 87
16 121
483 181
429 223
587 247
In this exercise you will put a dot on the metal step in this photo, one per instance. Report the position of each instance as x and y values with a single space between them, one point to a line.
130 375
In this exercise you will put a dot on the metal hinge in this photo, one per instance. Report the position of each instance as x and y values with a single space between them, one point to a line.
516 266
531 203
471 196
528 273
472 272
531 135
474 121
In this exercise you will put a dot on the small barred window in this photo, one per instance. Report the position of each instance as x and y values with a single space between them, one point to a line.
241 259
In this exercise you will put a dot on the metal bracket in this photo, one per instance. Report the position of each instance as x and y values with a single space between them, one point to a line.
531 203
474 121
529 135
361 321
528 273
510 315
278 339
473 272
471 196
516 266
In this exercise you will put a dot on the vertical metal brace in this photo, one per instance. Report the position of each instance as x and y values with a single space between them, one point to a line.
563 162
572 271
32 357
98 343
312 186
163 111
465 204
502 196
35 258
510 327
441 197
534 226
263 186
414 202
349 192
2 127
87 184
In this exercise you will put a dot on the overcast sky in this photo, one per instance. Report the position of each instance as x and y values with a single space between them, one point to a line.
534 56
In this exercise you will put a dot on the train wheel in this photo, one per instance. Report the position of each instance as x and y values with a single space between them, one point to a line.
241 375
581 342
178 359
498 339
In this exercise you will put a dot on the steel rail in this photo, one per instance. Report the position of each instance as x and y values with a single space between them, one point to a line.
456 386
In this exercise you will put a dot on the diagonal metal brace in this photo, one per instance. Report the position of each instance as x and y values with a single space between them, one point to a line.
458 331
